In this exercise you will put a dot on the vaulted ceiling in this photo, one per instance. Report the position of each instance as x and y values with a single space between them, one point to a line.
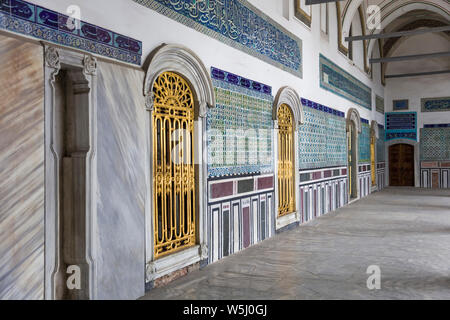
401 15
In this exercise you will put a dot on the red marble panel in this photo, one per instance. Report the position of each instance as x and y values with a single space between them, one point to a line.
445 164
428 164
265 183
223 189
317 175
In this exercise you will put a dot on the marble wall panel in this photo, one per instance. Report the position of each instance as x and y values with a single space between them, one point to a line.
21 170
121 182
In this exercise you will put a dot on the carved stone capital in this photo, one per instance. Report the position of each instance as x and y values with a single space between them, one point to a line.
90 65
203 109
52 58
149 101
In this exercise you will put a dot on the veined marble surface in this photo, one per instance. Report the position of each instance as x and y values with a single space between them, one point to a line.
121 182
21 170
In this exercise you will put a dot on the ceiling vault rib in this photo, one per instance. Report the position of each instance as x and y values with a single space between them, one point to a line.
411 57
397 34
402 75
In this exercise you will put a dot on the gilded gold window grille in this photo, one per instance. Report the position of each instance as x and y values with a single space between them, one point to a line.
372 160
286 156
174 217
350 160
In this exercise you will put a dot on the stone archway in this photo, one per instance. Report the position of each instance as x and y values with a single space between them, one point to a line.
353 129
185 63
287 96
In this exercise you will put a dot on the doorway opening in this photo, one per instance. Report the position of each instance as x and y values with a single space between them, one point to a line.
401 165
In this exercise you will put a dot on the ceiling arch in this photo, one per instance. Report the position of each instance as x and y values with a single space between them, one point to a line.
388 19
390 9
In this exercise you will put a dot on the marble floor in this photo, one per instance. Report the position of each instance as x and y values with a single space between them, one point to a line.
404 231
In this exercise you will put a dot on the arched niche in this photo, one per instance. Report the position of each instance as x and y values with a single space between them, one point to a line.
354 128
288 96
182 61
353 115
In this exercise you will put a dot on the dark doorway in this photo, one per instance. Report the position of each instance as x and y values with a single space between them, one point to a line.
401 165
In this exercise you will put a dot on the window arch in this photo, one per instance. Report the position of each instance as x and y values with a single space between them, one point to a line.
176 70
288 114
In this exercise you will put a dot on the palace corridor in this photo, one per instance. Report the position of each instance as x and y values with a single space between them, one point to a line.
404 231
224 149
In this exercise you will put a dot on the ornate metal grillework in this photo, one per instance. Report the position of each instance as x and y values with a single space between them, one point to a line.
351 132
372 159
286 156
173 165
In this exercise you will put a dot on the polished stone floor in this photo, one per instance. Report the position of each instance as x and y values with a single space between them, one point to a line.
404 231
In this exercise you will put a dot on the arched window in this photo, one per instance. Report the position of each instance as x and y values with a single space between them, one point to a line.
352 174
286 158
373 140
173 165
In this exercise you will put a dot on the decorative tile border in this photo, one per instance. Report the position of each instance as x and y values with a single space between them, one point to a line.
43 24
364 121
223 189
435 104
238 24
240 81
323 174
333 78
241 104
440 125
379 104
321 107
401 125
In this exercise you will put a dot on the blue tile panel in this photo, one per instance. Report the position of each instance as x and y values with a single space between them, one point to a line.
44 24
435 143
238 24
239 128
400 104
381 157
335 79
401 125
440 125
322 137
240 81
435 104
364 143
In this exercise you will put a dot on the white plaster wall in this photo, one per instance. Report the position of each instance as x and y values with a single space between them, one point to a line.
416 88
153 29
420 44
